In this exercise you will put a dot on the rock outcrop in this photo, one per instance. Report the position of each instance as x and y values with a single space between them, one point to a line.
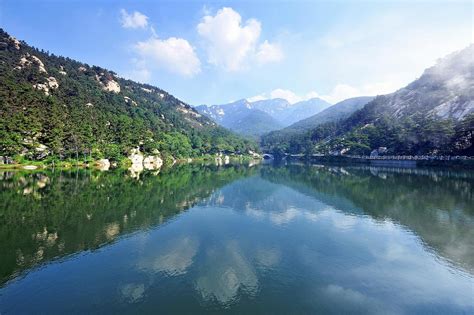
16 42
152 162
103 164
108 83
141 162
28 60
50 84
136 157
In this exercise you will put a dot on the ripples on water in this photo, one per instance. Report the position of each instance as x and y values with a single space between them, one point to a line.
192 239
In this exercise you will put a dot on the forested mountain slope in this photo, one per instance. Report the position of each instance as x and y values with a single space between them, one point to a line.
52 106
338 111
432 115
334 113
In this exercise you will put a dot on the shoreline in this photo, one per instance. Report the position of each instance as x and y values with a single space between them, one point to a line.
124 164
405 163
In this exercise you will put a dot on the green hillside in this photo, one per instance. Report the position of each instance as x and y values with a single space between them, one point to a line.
52 107
433 115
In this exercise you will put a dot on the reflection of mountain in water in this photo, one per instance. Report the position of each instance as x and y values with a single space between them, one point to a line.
436 205
49 215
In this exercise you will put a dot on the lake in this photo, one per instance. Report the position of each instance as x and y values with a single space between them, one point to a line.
287 239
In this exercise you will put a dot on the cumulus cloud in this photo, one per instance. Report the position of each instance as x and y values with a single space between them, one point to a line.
268 53
288 95
175 55
230 42
133 20
344 91
255 98
338 93
140 74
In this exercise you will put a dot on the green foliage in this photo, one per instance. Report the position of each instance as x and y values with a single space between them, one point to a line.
81 120
361 133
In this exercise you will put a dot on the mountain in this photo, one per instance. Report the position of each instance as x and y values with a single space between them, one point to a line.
305 109
432 115
338 111
56 107
265 115
241 117
444 91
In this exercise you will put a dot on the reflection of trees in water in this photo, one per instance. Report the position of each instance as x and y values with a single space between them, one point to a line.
438 205
52 214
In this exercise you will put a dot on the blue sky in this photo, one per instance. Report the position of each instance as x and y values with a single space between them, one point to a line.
213 52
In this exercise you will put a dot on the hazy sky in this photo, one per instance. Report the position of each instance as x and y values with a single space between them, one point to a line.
214 52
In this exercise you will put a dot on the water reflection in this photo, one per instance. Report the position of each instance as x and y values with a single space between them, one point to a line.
225 271
267 239
436 205
173 259
133 292
68 212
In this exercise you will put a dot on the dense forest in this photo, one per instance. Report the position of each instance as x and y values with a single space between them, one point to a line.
52 107
416 135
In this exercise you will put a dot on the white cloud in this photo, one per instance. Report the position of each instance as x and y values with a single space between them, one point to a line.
344 91
175 55
288 95
231 42
268 53
133 20
256 98
339 93
140 74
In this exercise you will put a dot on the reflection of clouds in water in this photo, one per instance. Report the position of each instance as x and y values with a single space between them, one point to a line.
225 274
132 292
268 257
281 217
398 259
175 259
347 300
284 217
255 213
411 276
345 222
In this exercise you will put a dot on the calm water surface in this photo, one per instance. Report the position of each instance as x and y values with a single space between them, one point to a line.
263 239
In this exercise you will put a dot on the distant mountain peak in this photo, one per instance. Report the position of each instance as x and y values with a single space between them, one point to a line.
275 113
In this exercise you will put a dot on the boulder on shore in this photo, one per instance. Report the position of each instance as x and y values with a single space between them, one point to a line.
103 164
140 162
136 157
152 162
